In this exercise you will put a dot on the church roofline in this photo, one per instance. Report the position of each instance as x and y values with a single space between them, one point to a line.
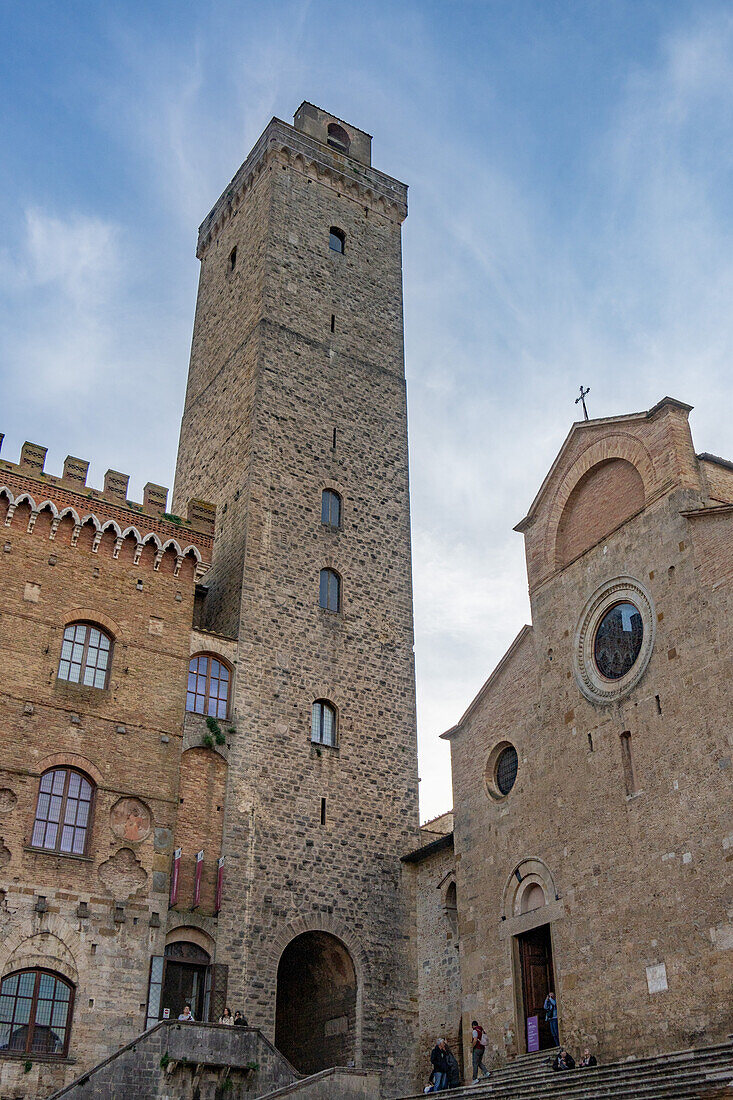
585 425
419 854
706 457
450 734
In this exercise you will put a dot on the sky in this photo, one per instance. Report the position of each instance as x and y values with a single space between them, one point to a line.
571 221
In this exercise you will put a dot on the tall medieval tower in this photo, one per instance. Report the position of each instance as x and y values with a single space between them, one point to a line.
295 425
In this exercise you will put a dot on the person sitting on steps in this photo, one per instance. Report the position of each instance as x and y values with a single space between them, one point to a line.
563 1060
588 1059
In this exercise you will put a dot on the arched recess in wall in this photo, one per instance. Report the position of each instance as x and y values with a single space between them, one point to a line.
200 820
449 897
316 1010
57 948
606 495
528 889
322 922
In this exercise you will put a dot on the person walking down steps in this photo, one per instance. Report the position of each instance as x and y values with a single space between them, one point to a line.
478 1048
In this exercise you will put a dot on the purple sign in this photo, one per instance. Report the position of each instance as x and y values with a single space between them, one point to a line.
533 1034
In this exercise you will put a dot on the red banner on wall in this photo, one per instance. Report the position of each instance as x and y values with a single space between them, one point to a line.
219 884
197 878
175 872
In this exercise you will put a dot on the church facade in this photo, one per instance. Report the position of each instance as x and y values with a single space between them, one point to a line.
210 768
591 848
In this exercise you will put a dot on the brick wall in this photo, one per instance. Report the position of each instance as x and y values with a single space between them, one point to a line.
603 499
100 916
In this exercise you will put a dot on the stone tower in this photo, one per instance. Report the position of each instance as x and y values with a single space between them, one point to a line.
295 426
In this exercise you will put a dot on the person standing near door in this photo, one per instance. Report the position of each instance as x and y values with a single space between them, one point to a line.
550 1007
186 1015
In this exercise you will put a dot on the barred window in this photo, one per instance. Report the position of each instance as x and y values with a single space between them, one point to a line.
331 508
35 1013
329 593
63 812
86 652
208 686
323 723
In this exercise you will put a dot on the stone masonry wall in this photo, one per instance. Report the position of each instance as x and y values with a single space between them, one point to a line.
438 962
637 881
265 431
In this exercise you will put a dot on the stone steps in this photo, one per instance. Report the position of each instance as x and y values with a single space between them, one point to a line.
680 1075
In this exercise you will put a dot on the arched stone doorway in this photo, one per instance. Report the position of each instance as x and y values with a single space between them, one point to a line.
316 1011
186 979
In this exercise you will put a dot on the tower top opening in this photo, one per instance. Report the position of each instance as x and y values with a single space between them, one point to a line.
334 132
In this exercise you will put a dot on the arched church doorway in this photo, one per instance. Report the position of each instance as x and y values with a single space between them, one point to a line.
315 1022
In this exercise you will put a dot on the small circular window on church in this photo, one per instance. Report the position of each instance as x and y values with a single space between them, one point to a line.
614 640
501 770
618 640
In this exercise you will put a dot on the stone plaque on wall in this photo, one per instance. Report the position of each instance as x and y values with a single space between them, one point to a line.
656 978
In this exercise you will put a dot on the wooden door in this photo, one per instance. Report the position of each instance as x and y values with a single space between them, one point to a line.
535 954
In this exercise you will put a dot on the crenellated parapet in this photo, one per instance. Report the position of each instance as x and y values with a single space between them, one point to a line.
68 504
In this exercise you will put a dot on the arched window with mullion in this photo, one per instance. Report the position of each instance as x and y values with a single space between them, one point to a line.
330 508
323 723
36 1007
209 681
86 652
337 239
63 812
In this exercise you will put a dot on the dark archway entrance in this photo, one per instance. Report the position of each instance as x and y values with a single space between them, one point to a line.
535 960
185 979
315 1023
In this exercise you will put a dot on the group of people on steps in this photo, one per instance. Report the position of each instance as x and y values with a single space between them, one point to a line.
445 1072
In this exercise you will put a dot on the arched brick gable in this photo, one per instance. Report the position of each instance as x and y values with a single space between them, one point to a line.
619 445
605 497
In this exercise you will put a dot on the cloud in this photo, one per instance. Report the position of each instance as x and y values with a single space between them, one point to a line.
73 363
60 280
629 291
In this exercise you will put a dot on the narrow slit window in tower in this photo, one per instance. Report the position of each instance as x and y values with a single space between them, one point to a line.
628 763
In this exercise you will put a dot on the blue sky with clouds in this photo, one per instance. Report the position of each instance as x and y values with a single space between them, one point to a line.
571 220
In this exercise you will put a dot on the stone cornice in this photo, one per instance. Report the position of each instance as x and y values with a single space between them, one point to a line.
320 162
